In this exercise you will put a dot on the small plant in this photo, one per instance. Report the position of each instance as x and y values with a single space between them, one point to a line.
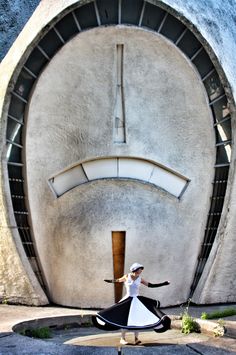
219 314
204 315
219 329
4 300
40 333
189 324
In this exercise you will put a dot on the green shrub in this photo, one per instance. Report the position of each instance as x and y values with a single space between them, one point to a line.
189 324
40 333
219 314
204 315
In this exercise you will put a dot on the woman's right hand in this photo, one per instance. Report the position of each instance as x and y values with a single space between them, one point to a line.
109 281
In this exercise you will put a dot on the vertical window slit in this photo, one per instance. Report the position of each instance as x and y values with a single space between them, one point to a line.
119 112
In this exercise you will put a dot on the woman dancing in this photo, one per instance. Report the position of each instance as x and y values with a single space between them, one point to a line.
133 312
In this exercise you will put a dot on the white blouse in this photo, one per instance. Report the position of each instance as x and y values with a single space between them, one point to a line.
132 286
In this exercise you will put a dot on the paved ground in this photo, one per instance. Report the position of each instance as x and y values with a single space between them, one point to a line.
88 340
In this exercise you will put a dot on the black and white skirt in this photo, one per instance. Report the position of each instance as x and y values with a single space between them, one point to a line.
133 313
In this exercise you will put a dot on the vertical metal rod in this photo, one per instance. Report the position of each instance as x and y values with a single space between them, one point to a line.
181 36
216 99
196 54
30 72
97 13
119 12
59 35
208 74
19 97
162 22
142 13
227 118
76 21
43 52
15 119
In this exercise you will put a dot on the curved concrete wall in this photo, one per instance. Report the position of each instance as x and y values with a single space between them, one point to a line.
70 118
215 23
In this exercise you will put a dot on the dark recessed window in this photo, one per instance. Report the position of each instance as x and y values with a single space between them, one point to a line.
86 16
203 63
24 235
36 61
15 155
14 172
12 129
67 27
152 16
17 108
172 28
131 11
189 44
16 187
222 156
50 43
24 84
213 86
108 11
220 109
18 204
223 131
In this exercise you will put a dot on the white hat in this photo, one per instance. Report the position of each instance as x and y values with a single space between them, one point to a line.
136 266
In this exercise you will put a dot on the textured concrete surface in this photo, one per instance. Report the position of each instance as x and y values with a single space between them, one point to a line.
164 99
216 24
94 341
147 339
18 283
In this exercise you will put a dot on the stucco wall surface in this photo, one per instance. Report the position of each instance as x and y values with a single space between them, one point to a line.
216 23
70 119
15 286
18 283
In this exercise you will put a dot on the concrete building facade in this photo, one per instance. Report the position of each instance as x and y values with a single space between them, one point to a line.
117 139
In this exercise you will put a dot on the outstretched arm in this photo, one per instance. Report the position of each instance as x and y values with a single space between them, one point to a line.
121 279
149 284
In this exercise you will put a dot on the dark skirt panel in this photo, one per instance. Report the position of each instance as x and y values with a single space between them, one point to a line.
116 316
